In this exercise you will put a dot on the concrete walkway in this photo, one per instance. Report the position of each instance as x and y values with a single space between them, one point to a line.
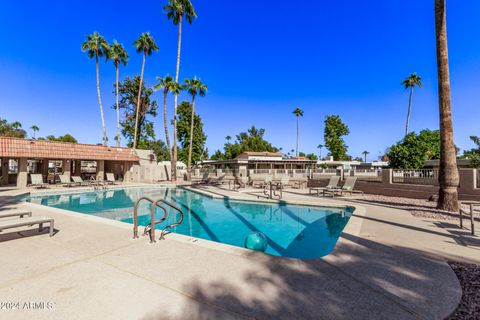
387 265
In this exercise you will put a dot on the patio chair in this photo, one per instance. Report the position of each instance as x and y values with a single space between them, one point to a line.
332 184
65 181
80 181
37 181
348 187
242 182
110 178
216 179
15 213
284 181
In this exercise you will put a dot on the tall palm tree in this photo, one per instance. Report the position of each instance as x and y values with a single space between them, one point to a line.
365 153
320 146
166 84
410 83
177 10
298 113
34 129
175 89
144 44
228 138
194 87
96 46
119 56
16 125
448 175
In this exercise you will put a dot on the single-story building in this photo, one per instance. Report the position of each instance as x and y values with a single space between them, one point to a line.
21 157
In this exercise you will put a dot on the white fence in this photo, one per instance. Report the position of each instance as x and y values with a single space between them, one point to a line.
422 176
368 174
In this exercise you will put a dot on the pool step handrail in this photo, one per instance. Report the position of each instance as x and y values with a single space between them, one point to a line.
173 225
150 229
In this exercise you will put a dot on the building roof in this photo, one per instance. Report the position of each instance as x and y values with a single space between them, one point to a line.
35 149
247 154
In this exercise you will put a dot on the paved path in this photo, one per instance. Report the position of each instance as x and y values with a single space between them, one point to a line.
387 265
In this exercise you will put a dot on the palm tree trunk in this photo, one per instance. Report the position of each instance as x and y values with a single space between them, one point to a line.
408 113
191 139
165 124
296 152
116 101
175 100
448 175
100 101
138 101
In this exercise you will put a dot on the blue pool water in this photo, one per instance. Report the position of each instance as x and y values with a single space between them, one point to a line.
292 231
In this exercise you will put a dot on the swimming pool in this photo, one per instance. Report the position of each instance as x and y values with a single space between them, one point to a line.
295 231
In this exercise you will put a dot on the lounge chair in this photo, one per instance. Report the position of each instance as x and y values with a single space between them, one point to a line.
66 182
332 184
110 178
15 223
80 181
37 181
15 213
242 182
348 187
216 179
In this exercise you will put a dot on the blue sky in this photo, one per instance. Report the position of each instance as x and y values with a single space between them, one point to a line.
260 59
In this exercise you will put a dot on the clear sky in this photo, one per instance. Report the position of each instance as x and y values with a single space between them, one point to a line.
260 59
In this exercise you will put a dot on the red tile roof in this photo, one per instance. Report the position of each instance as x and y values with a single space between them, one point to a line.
35 149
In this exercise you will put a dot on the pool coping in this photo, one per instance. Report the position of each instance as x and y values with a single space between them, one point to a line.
352 227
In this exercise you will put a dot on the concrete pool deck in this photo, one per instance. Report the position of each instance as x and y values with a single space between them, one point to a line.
387 264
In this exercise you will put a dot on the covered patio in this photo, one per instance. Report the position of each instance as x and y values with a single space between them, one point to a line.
22 157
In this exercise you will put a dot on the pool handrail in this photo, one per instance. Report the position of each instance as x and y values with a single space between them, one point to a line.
152 218
164 230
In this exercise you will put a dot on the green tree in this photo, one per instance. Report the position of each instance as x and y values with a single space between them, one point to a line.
166 83
409 83
335 129
148 108
13 129
194 87
414 150
183 128
218 155
34 129
365 153
177 10
119 55
320 147
65 138
96 46
298 113
473 154
448 174
311 156
252 140
159 148
144 44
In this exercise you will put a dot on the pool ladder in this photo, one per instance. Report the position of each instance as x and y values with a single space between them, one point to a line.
150 229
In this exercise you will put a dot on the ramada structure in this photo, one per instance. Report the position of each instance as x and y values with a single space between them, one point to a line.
262 161
36 156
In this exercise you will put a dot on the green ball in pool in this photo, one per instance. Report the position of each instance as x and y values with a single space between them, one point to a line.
256 241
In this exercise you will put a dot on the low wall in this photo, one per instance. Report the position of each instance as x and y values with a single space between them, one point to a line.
467 190
147 173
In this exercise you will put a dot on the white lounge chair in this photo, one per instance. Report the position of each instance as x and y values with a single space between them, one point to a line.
65 181
80 181
15 223
110 178
37 181
332 184
348 187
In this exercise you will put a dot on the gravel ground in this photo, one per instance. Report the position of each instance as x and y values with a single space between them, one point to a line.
469 277
418 207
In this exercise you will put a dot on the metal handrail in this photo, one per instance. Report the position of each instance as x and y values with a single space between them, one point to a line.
151 231
164 231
